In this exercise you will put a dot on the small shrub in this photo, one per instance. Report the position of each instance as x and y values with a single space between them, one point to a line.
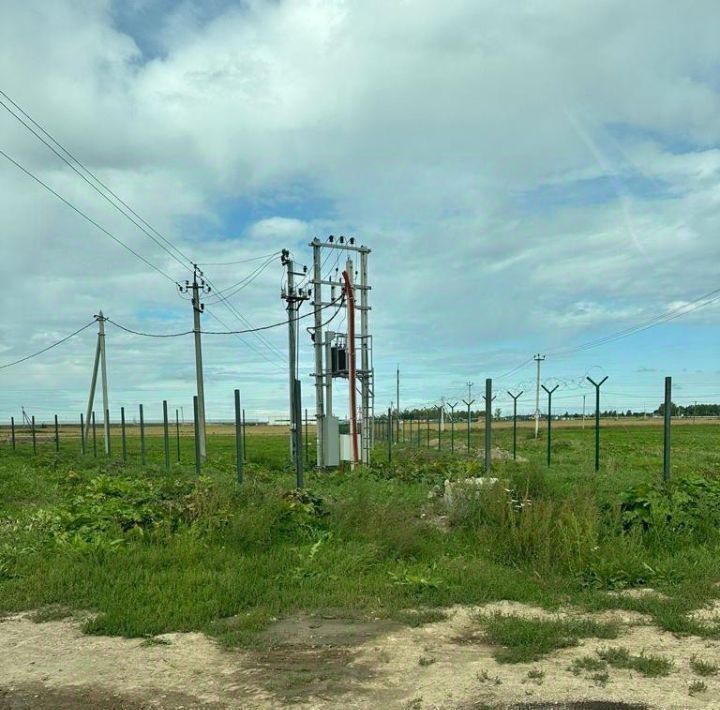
526 640
703 668
697 686
649 665
588 664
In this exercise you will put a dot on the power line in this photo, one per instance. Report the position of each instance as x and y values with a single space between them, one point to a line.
221 332
241 261
245 281
86 217
49 347
94 178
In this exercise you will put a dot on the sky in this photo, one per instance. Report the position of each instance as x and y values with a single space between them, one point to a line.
530 177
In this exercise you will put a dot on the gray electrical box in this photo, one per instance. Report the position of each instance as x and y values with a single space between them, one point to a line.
331 440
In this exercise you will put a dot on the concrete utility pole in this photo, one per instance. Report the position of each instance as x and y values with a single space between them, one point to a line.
196 288
293 297
538 359
101 362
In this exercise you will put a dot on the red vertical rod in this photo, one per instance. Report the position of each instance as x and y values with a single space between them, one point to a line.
351 370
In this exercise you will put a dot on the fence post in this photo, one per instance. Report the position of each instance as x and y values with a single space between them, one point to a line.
549 426
166 435
123 435
427 422
597 386
94 430
488 425
469 404
297 414
142 436
307 440
177 433
514 398
57 435
439 426
107 429
196 432
12 429
244 430
82 435
238 438
33 435
389 434
666 429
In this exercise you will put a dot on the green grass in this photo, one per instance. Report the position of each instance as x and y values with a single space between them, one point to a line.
649 665
153 551
523 640
703 668
587 664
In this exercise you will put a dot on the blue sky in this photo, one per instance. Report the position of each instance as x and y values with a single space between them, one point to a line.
527 180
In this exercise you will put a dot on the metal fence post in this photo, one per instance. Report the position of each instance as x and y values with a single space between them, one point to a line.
469 404
57 435
488 397
389 434
666 429
244 430
238 438
142 436
439 426
514 398
597 386
94 430
12 429
123 435
82 435
107 429
307 440
33 435
549 426
166 435
196 432
177 433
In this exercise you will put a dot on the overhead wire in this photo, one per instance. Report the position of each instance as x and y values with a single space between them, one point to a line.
163 244
49 347
86 217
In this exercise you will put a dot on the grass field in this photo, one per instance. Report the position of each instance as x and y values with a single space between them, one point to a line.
152 551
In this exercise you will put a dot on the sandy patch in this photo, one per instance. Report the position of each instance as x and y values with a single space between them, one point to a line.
331 662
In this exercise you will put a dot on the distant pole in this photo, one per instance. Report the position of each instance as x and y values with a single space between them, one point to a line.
122 433
238 438
667 424
597 386
103 375
33 434
177 433
57 435
389 434
538 359
452 426
82 435
397 387
166 435
488 397
197 435
515 398
12 430
198 287
244 442
549 426
142 436
94 432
